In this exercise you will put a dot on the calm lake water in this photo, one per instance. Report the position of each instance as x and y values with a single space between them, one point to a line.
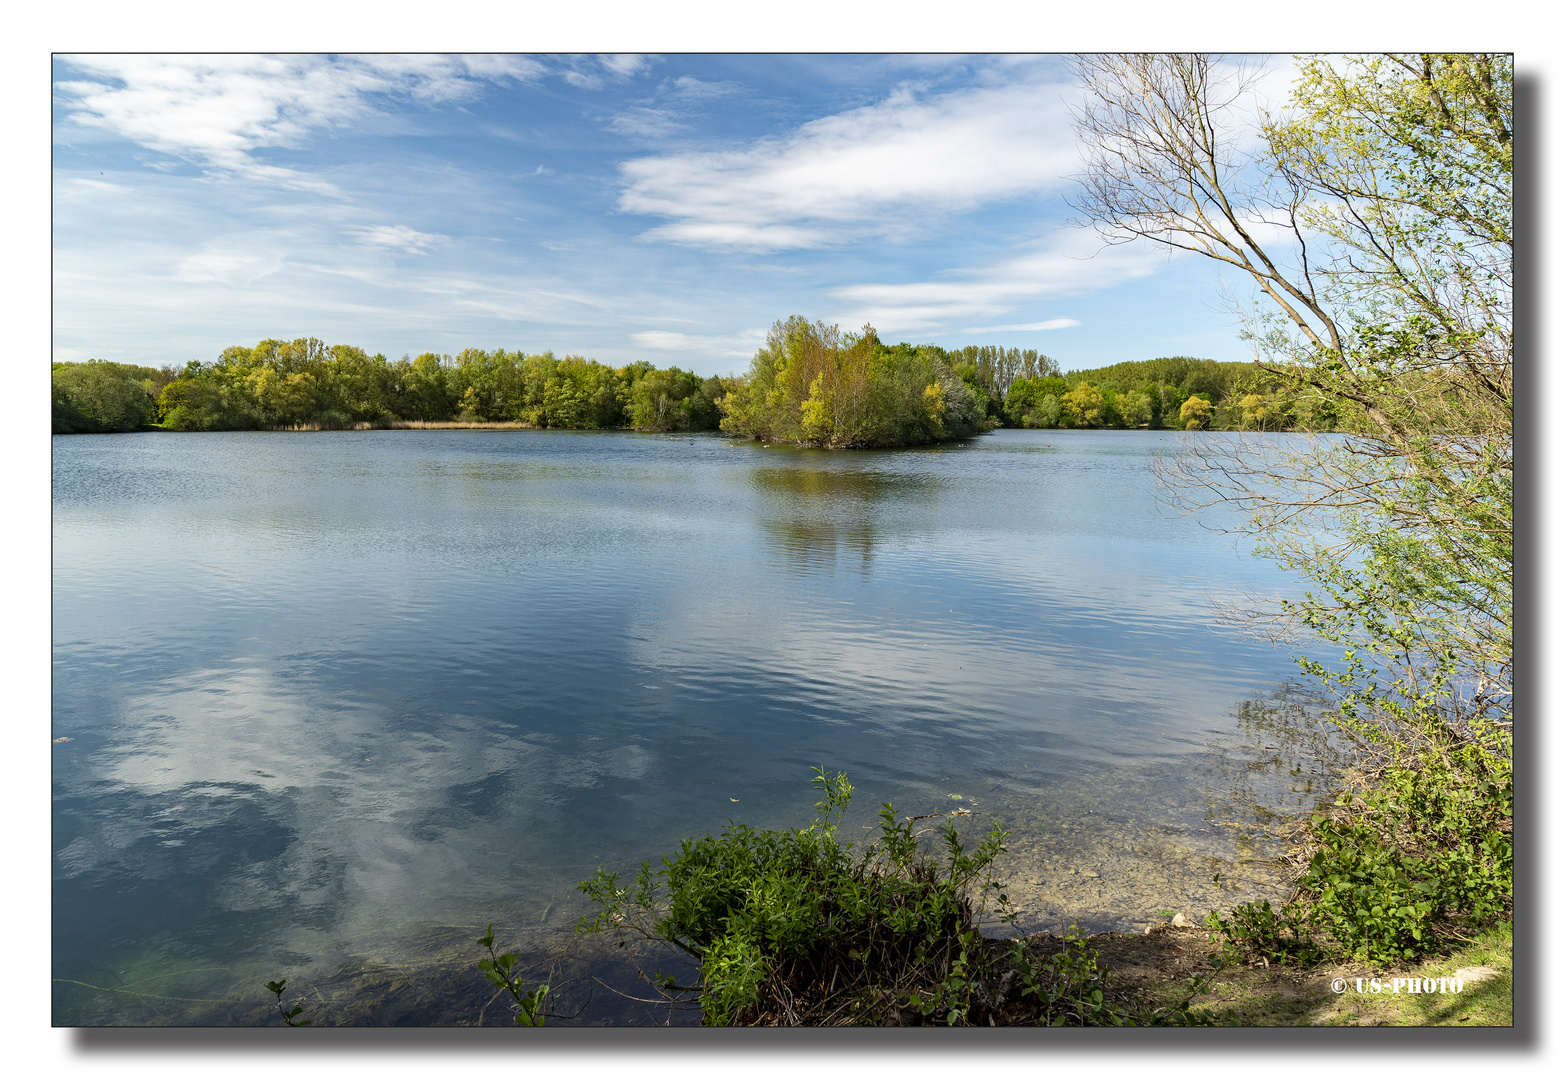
327 703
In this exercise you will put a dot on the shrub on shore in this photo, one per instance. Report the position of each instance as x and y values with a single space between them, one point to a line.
794 927
1407 860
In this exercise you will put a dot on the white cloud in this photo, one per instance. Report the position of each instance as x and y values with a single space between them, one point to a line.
1046 324
671 107
663 339
742 344
1071 264
228 264
877 169
400 237
615 67
216 111
514 300
647 122
625 65
690 88
749 237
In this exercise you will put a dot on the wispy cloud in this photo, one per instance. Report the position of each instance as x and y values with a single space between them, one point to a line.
515 300
1068 265
400 237
742 344
671 108
229 264
625 65
647 122
1046 324
595 72
690 88
217 111
868 171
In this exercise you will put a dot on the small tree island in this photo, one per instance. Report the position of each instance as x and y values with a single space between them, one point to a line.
815 386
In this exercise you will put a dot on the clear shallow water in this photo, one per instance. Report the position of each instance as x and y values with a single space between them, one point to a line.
336 700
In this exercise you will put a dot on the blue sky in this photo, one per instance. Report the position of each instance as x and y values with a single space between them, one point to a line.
620 207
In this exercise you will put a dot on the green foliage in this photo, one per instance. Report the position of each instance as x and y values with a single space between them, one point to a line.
793 926
500 969
1391 321
290 1016
1256 930
1194 413
305 382
813 385
1134 408
1423 849
675 400
1083 406
100 396
1067 987
996 370
1394 869
1186 374
1260 412
810 384
1034 402
1405 162
1149 393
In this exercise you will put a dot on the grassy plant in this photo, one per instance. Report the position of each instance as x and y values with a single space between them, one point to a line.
500 969
1256 931
290 1016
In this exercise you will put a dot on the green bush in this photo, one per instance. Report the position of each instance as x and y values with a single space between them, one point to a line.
793 926
1395 868
1420 850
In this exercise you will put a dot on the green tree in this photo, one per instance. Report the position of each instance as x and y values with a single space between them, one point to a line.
423 389
1047 414
1195 413
101 396
1395 171
813 384
1390 313
282 400
1083 405
1135 408
1026 396
673 400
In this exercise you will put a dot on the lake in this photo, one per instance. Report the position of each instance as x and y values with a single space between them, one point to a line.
327 703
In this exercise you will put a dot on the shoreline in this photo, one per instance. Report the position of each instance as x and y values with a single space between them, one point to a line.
517 425
1161 965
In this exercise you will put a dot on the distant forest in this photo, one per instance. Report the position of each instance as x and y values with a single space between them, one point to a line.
810 384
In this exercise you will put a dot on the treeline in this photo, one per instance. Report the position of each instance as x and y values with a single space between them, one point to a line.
281 384
1181 392
809 384
303 382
